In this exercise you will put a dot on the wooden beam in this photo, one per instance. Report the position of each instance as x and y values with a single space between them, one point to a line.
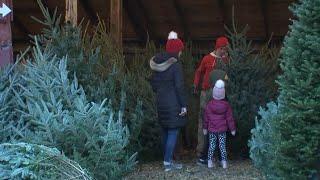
116 21
19 24
149 25
135 18
262 40
264 9
89 10
140 19
182 18
223 12
72 12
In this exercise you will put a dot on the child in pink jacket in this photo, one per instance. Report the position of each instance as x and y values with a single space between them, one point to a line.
218 119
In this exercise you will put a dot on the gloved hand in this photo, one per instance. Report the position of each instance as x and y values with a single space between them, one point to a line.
183 111
195 89
233 133
205 131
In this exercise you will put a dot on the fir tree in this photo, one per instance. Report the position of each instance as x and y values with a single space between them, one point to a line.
298 155
51 110
250 85
148 138
294 143
8 79
264 138
189 62
30 161
101 70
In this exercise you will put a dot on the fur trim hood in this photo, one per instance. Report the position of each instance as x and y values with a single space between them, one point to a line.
160 64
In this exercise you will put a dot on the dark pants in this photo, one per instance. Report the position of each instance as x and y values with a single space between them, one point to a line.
204 151
169 139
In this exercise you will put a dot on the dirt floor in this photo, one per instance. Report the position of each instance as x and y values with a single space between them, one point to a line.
237 170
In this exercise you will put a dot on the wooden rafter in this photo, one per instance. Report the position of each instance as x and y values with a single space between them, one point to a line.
223 12
182 18
264 9
89 10
19 24
149 27
135 19
140 20
275 39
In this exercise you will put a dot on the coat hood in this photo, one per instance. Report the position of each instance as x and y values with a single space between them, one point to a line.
161 62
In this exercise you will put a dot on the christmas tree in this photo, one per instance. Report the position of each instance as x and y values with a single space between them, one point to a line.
30 161
189 62
294 143
298 151
264 138
51 110
147 137
250 85
8 79
101 70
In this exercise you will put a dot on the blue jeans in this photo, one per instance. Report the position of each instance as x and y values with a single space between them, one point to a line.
169 139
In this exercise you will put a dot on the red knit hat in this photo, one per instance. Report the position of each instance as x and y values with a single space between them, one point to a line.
221 42
174 44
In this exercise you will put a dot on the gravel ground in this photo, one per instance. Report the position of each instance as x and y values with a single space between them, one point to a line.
237 170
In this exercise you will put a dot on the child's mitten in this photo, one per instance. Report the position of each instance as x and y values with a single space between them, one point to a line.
205 131
233 133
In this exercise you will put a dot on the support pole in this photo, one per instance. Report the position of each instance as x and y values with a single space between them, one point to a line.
6 17
116 21
72 12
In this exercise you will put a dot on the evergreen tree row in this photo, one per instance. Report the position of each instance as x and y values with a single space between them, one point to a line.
291 148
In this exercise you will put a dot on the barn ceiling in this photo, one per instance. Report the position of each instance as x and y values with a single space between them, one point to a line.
196 20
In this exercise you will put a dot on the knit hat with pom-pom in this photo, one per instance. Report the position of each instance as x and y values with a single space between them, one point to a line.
218 92
174 44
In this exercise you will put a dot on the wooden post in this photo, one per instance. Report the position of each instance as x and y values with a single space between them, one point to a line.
72 12
116 21
6 52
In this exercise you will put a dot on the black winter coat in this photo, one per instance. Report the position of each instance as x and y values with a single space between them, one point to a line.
167 83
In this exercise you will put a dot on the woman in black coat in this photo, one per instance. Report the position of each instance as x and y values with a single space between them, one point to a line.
167 83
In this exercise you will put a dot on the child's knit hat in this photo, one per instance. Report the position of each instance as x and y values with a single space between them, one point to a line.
174 44
218 92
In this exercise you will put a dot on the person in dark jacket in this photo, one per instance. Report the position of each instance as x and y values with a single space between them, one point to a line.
167 83
218 119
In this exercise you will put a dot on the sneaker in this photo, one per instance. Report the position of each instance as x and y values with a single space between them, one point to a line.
176 165
167 167
171 166
210 164
224 164
202 161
